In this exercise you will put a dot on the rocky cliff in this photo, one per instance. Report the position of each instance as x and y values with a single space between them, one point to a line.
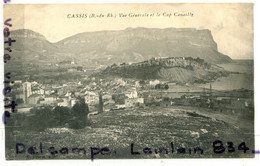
92 49
139 44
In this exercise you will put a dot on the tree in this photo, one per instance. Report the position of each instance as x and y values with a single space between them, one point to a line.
80 114
158 86
61 115
40 119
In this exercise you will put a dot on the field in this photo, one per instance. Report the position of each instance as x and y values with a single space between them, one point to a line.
155 128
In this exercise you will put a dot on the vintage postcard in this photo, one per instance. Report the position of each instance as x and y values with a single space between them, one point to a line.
128 81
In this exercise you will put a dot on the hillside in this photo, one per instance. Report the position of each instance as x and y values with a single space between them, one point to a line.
30 44
108 47
175 69
139 44
33 54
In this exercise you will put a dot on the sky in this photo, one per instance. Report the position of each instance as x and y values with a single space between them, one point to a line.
231 24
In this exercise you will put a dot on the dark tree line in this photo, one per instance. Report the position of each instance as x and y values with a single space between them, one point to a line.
49 117
162 86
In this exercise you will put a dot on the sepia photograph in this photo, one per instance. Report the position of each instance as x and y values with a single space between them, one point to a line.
128 81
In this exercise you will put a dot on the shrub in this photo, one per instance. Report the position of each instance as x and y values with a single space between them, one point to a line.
79 114
41 118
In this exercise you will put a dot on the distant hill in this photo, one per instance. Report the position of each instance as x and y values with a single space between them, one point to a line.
176 69
31 53
139 44
129 45
30 43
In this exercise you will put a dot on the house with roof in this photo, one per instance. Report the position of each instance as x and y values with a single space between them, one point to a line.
37 90
49 99
34 99
91 98
63 101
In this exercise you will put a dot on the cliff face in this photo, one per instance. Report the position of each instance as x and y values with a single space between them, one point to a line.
28 42
26 33
92 49
139 44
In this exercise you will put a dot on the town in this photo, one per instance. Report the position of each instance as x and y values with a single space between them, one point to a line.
128 93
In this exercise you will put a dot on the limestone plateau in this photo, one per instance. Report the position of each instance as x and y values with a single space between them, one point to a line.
130 45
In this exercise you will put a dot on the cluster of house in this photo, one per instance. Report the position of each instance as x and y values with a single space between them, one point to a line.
233 102
128 99
33 94
171 62
122 94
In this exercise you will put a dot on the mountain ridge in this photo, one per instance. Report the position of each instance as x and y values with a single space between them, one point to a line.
128 45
